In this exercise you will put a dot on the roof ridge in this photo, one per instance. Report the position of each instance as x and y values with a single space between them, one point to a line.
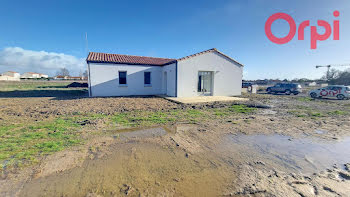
210 50
199 53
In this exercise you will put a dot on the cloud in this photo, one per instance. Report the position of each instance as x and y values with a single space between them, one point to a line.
21 60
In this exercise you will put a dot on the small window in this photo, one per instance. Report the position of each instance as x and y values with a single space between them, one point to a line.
147 78
122 77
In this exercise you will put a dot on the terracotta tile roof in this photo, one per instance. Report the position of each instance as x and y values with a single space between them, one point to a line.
131 59
127 59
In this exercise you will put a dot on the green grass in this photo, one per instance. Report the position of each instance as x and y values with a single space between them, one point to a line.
241 109
22 144
31 85
306 114
149 118
337 113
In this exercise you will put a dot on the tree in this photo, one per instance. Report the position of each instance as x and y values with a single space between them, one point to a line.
63 72
85 74
337 77
331 75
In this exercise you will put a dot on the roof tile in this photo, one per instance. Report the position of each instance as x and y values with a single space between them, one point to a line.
126 59
131 59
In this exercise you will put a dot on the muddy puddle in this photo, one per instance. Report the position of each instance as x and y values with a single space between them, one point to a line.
156 165
136 168
307 155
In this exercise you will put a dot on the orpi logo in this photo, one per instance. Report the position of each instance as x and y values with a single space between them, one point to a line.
315 36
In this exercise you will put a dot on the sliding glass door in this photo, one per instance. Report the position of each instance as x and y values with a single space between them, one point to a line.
205 83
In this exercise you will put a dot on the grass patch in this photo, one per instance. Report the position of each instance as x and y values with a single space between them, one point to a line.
306 114
31 85
22 144
241 109
337 113
145 118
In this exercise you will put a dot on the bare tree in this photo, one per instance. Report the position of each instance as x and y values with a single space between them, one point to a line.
85 74
63 72
331 74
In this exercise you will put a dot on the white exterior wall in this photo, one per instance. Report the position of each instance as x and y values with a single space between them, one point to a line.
170 90
8 78
227 75
30 75
104 80
12 74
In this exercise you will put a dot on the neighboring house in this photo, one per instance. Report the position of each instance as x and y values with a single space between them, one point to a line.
12 74
8 78
43 76
75 78
32 75
60 77
208 73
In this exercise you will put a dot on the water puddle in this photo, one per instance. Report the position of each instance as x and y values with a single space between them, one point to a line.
306 155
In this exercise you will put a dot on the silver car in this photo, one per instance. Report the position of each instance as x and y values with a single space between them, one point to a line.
334 91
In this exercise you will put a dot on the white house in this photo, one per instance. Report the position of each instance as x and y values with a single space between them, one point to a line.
32 75
208 73
43 75
12 74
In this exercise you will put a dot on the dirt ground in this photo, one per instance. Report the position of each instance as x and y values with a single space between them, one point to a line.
202 158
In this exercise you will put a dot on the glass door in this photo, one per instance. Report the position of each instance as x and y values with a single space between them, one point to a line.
205 81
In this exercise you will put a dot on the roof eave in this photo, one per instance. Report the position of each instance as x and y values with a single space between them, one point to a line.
105 62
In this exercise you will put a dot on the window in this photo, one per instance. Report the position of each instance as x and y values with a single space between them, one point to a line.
122 77
147 78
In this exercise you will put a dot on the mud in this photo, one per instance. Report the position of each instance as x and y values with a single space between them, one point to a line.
270 152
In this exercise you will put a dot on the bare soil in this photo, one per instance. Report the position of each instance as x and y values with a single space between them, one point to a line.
187 160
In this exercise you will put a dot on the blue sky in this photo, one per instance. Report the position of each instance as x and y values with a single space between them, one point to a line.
43 36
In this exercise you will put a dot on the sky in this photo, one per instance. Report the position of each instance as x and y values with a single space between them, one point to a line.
44 36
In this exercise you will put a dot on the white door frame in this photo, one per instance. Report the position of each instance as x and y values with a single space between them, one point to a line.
209 93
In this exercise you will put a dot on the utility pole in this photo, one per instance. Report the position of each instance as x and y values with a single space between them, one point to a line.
86 43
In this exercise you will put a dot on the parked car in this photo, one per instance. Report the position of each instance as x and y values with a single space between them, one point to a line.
287 88
247 85
334 91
